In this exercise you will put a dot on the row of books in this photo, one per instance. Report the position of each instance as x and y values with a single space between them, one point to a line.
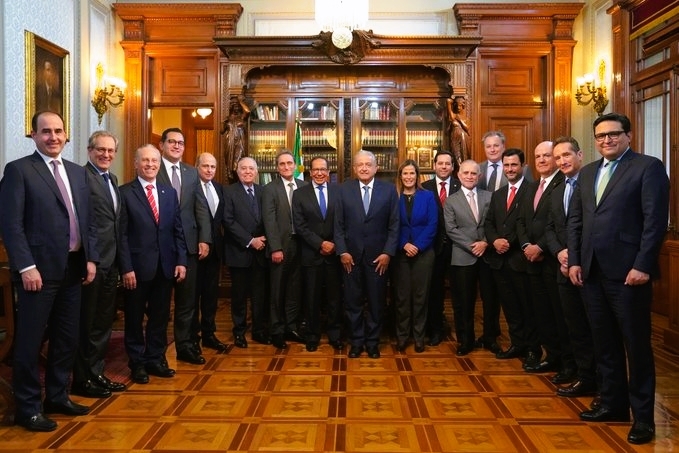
267 112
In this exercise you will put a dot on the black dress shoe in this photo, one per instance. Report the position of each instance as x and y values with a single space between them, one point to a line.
577 388
337 345
602 414
532 359
312 346
512 352
295 337
464 349
596 402
261 339
278 342
103 381
190 356
160 370
541 367
213 342
401 347
491 346
373 352
565 376
240 341
641 433
67 407
37 423
139 375
435 340
89 389
419 347
355 351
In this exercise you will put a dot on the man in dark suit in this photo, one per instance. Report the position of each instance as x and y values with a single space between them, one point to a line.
196 224
98 308
616 225
443 184
313 209
49 233
244 244
283 251
492 174
366 237
152 257
465 214
207 280
582 379
507 260
542 268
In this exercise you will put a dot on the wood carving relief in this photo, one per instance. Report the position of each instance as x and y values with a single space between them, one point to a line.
363 43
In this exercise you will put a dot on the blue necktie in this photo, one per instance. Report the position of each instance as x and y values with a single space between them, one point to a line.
366 198
567 193
321 201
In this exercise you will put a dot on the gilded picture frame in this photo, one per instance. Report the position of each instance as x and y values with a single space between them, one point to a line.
425 158
47 79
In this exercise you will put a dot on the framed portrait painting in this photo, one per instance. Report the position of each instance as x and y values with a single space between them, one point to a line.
47 79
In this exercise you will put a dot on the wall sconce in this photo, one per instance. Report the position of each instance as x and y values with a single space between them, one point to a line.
108 93
203 112
588 92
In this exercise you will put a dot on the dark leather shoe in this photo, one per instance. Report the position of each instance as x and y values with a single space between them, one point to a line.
541 367
532 360
139 375
68 407
577 388
596 402
419 347
402 346
240 341
190 356
435 340
512 352
160 370
373 352
491 346
312 346
641 433
355 351
278 342
565 376
104 382
602 414
37 423
261 339
464 349
213 342
89 389
295 337
337 345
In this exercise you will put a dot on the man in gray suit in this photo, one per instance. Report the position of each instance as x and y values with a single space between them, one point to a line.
98 307
283 250
492 177
197 225
465 212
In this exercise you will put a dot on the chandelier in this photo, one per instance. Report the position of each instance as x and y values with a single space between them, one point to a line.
341 17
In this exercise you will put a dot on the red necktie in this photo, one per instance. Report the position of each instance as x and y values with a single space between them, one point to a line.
538 194
152 201
442 193
512 194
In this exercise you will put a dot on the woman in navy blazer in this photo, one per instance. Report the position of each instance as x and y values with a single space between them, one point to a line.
415 256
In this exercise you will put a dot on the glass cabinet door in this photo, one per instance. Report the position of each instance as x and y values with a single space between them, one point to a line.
322 133
423 133
267 136
379 132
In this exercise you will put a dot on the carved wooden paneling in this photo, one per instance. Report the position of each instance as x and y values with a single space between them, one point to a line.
510 79
520 125
183 80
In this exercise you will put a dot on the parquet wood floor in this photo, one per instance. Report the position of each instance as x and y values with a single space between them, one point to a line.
263 399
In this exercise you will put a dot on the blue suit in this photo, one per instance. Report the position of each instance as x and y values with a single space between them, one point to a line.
152 252
624 231
35 230
365 237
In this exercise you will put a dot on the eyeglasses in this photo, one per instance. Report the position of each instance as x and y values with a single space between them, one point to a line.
102 150
173 142
318 170
612 136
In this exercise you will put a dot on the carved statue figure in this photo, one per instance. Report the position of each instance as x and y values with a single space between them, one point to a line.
460 138
235 128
